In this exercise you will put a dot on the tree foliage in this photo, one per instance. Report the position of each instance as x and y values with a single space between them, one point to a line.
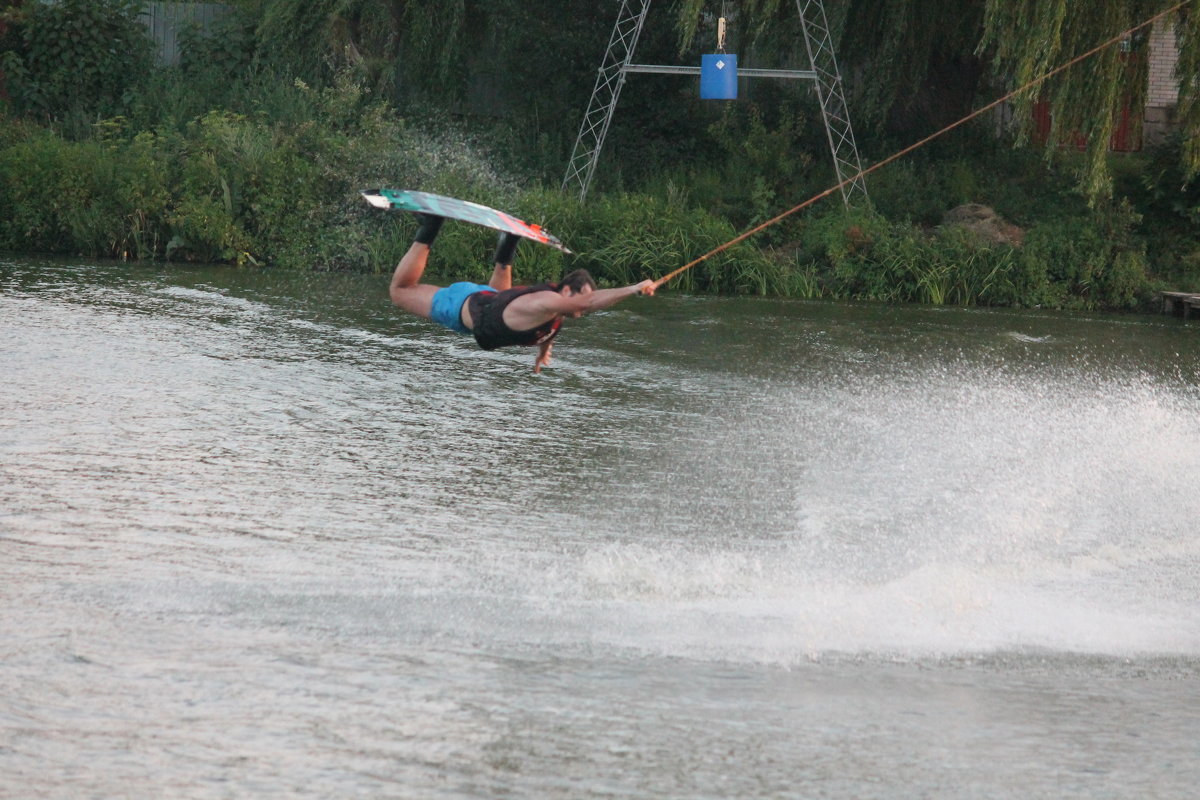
1027 39
923 60
75 55
1187 31
393 42
915 60
904 59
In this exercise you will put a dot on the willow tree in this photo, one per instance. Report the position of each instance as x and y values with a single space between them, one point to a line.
910 63
898 51
395 40
1027 39
523 51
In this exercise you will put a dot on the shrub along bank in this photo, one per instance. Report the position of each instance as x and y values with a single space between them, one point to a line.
222 159
240 188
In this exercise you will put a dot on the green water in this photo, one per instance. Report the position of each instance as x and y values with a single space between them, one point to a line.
263 535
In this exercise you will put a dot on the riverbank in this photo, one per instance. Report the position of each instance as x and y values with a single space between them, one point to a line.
247 148
274 179
243 189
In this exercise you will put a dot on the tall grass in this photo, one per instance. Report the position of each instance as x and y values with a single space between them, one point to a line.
1074 263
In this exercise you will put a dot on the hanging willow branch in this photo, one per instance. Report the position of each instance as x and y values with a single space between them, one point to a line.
1028 38
759 12
1187 29
890 46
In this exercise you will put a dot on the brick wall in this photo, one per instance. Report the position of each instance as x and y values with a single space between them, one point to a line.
1163 92
1164 89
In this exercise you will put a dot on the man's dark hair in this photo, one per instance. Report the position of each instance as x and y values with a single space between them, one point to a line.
576 280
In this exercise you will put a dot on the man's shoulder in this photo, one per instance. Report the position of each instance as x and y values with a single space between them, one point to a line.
537 291
535 287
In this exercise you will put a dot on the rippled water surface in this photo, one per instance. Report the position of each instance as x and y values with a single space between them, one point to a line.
264 536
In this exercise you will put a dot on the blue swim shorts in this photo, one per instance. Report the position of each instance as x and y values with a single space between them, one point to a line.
448 303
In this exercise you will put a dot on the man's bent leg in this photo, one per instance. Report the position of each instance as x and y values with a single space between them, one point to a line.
506 247
406 290
411 267
501 277
415 299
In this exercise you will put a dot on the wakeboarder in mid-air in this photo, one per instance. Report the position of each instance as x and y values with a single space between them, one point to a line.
496 313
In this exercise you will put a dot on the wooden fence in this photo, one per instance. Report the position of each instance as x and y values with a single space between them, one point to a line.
166 20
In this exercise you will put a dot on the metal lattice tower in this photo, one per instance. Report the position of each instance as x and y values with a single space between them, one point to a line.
618 61
609 80
819 42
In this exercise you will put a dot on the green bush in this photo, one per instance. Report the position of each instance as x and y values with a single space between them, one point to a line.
861 255
922 187
247 190
626 238
1078 263
1168 201
78 56
225 49
244 166
95 198
31 178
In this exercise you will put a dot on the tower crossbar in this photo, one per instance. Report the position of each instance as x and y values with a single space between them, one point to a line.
618 62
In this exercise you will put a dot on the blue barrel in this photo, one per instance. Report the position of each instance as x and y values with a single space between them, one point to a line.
718 76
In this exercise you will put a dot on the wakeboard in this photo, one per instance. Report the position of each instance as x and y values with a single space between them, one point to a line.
464 210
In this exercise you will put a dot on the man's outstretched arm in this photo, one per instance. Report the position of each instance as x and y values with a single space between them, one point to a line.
546 305
543 356
603 298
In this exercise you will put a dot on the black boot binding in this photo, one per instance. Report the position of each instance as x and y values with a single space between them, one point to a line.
429 227
506 248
